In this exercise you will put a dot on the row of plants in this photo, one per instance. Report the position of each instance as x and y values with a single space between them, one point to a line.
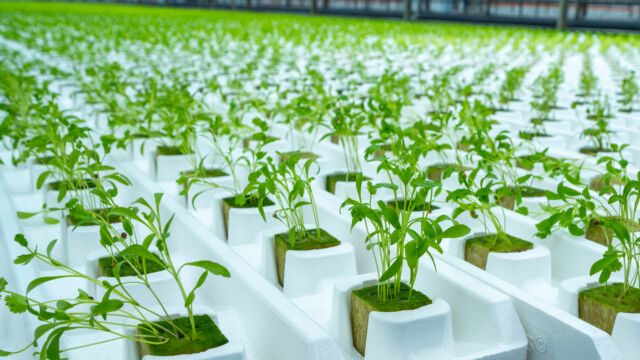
134 240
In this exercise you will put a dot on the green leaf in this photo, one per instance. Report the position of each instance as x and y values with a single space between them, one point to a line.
50 247
20 239
39 281
43 329
62 191
136 250
24 259
210 266
41 179
26 215
192 295
575 230
53 345
107 306
567 191
608 264
148 240
456 231
395 267
621 231
390 215
389 186
158 198
17 304
63 305
51 221
124 212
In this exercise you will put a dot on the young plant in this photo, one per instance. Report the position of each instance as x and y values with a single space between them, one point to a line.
289 184
346 125
629 92
117 312
514 78
611 215
232 150
588 80
598 137
545 93
478 196
400 230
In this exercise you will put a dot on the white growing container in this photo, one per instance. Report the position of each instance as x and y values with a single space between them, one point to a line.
426 332
305 270
169 167
549 281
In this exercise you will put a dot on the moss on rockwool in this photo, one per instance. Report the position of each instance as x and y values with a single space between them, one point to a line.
76 184
206 173
303 155
509 201
477 249
334 178
367 299
230 202
598 182
169 150
527 161
436 171
401 204
530 135
593 151
599 306
208 337
103 213
311 240
133 267
600 234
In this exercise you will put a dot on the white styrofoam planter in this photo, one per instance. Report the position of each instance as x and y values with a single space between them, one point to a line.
481 315
169 167
421 333
244 224
626 332
550 303
80 241
15 179
143 148
208 194
305 270
161 282
626 327
518 268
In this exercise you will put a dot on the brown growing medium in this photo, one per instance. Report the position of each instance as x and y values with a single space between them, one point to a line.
599 306
366 300
477 249
310 241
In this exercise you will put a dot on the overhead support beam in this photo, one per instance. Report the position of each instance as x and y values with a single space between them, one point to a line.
407 10
562 15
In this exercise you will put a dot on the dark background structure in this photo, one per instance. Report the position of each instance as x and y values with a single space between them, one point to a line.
584 14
